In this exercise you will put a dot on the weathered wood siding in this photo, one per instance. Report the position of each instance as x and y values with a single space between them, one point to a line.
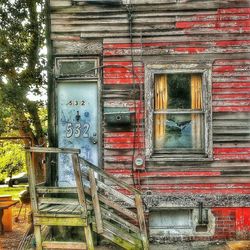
216 32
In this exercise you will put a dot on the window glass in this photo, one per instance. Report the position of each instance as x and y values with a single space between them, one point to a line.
179 91
178 116
170 219
72 68
178 131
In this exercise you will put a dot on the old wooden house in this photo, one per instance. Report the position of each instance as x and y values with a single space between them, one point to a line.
157 94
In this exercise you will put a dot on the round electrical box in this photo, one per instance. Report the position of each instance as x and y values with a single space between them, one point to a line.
139 161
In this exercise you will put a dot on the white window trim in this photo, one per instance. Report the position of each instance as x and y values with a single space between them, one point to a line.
205 70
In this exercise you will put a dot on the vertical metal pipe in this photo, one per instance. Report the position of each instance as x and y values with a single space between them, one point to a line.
206 217
200 220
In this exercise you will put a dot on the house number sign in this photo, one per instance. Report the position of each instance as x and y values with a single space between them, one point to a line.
77 130
76 103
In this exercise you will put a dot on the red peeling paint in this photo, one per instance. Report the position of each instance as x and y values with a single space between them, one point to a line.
243 219
231 150
119 63
122 134
245 96
123 146
123 139
190 50
123 81
232 157
225 43
232 109
234 10
230 103
241 62
231 90
212 24
122 70
222 85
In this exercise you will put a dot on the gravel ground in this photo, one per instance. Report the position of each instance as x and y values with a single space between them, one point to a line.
10 240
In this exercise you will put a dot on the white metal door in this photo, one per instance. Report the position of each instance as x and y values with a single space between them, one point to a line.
77 125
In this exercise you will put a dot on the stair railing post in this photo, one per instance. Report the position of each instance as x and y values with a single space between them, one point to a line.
82 200
141 220
33 197
95 200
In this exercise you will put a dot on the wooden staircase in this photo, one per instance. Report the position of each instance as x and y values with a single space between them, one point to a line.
99 203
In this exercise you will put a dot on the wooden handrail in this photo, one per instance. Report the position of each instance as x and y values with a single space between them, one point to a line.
82 199
53 150
95 201
110 177
82 160
137 197
141 220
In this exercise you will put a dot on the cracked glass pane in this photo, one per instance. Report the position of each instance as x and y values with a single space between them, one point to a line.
181 93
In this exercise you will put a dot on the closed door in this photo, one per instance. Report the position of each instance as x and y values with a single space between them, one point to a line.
77 125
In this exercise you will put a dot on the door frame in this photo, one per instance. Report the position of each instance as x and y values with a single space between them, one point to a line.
80 79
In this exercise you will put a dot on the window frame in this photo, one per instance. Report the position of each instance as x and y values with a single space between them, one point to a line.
59 75
173 68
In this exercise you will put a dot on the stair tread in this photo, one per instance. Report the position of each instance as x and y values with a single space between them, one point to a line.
64 245
61 209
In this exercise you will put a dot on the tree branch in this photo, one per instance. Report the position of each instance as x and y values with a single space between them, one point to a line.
35 36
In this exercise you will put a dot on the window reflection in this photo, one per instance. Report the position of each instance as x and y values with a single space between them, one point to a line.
180 132
183 129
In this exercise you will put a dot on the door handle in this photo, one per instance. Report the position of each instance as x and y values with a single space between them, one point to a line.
93 139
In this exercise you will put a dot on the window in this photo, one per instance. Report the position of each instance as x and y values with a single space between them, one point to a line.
170 219
179 113
76 67
171 222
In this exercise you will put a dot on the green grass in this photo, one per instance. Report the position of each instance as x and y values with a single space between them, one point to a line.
14 191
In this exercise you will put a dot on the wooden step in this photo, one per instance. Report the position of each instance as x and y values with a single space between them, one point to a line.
64 245
55 190
120 236
60 221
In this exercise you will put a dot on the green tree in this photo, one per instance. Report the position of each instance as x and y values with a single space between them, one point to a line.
22 67
12 159
22 74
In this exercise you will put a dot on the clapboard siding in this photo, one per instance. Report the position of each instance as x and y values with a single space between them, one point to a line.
95 21
235 98
231 131
76 47
214 32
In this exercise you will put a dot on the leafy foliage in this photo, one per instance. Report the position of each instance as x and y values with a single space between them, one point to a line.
22 74
22 65
12 158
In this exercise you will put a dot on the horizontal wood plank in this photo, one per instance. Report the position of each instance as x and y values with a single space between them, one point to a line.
59 221
64 245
